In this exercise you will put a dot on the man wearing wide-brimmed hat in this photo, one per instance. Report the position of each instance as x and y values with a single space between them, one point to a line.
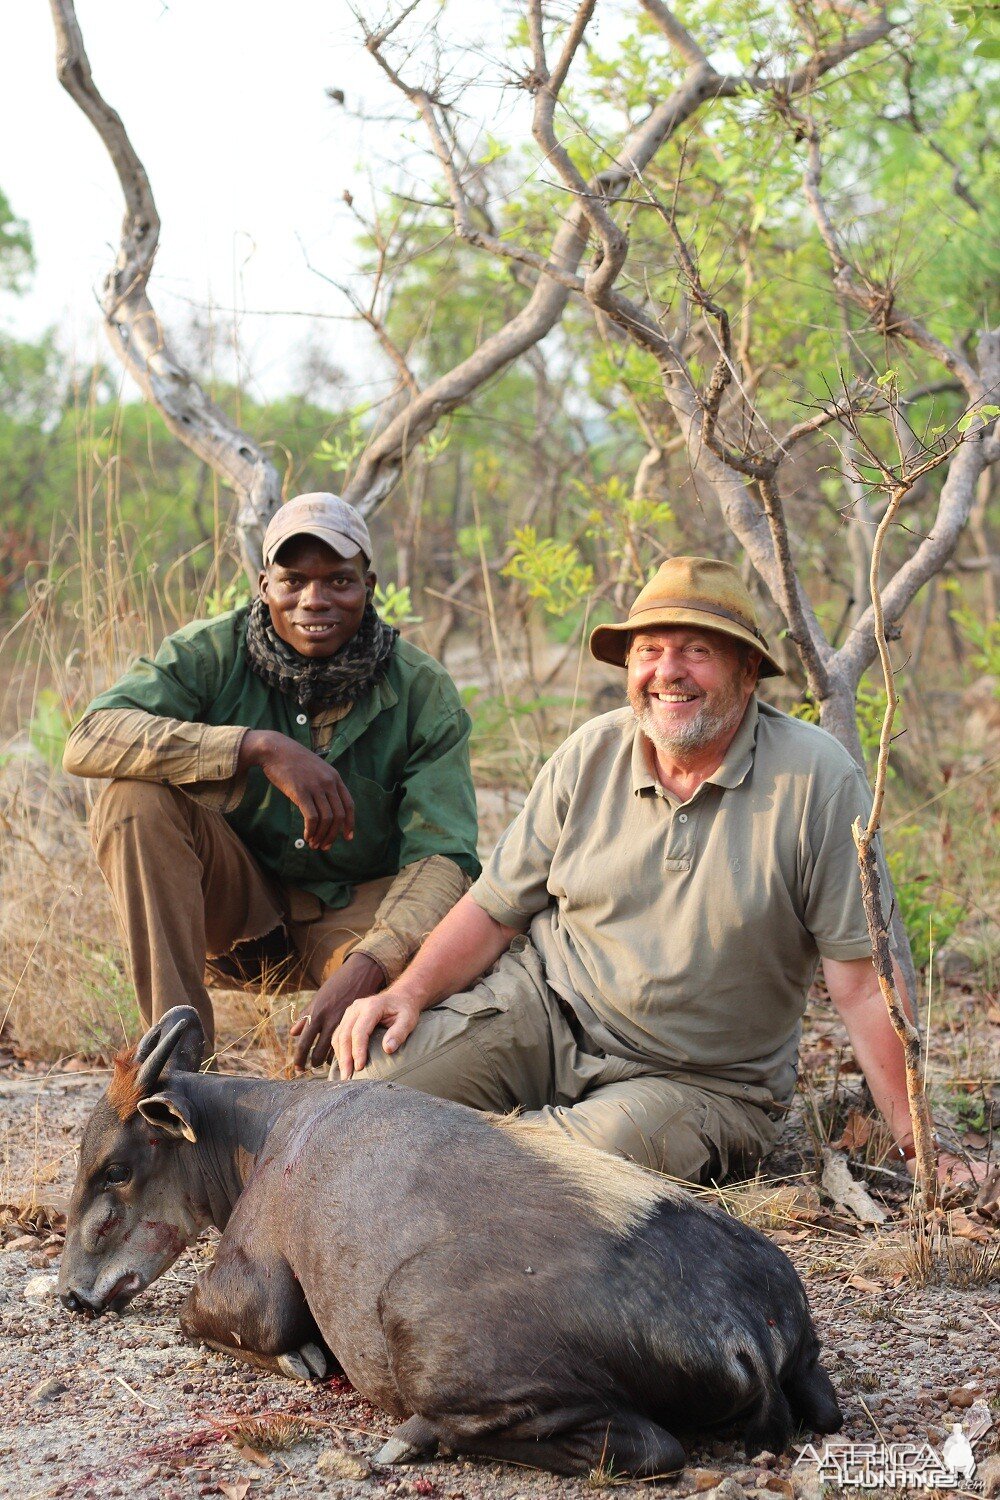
658 910
290 794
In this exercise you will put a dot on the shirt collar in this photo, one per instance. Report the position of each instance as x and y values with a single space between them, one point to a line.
643 777
739 757
735 764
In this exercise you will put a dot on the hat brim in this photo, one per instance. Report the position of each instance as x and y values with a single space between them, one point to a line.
341 544
609 643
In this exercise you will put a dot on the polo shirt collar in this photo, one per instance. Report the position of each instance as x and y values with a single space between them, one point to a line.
643 776
739 757
733 770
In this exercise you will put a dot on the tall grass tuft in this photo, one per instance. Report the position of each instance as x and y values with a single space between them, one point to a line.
92 607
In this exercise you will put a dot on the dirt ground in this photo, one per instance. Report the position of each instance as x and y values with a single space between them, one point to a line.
124 1406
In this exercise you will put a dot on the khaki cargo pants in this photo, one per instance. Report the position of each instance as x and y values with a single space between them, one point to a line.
508 1044
190 897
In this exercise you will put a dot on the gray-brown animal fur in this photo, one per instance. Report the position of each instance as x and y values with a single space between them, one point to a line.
493 1290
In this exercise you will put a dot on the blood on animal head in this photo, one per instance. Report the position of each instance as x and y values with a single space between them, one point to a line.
123 1091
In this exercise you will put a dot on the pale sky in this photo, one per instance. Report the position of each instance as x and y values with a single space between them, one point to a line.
248 159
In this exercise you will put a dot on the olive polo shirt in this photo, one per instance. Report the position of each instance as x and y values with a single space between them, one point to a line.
688 934
402 750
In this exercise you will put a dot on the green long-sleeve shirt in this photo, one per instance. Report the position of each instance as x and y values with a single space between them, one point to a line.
402 750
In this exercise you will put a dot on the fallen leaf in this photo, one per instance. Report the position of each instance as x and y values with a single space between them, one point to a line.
255 1456
237 1491
987 1204
857 1131
864 1286
343 1465
967 1229
977 1421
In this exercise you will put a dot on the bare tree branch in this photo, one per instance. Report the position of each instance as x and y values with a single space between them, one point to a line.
679 37
877 301
133 326
958 492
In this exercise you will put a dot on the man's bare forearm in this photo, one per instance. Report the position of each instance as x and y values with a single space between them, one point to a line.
855 993
466 943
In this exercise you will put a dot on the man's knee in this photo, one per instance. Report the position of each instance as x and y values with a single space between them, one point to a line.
669 1127
125 806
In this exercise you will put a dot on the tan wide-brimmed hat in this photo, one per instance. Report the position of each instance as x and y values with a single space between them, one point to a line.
689 591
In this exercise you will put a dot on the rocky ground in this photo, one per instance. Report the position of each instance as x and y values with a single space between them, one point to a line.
124 1406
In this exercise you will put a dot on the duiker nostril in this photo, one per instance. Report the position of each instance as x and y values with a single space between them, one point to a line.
74 1303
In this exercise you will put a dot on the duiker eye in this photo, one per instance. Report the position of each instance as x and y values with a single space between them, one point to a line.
117 1173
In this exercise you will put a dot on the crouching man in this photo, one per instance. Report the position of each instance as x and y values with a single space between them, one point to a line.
658 910
289 788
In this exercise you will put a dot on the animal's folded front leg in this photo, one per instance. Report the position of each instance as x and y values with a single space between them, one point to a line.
255 1311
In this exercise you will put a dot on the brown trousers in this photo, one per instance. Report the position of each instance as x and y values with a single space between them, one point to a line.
187 891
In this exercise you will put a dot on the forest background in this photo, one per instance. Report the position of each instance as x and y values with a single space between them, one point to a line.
541 498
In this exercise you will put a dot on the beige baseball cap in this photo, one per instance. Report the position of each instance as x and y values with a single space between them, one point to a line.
324 516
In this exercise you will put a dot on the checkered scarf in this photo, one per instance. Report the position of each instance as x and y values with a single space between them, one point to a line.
323 682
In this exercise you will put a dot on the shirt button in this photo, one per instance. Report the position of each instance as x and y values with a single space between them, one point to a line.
682 817
301 718
300 843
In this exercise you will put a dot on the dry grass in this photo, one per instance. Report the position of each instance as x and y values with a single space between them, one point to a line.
63 983
928 1252
271 1431
768 1205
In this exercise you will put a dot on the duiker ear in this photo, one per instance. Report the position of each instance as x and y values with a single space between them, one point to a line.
169 1113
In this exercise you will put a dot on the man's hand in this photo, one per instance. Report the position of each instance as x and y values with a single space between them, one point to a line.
357 976
955 1171
390 1009
305 778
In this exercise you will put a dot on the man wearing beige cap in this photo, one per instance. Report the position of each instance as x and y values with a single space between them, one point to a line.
290 796
655 913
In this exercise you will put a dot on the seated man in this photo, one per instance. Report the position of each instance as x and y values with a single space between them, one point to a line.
290 783
658 909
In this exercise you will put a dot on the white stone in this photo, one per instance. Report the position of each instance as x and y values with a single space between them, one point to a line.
39 1288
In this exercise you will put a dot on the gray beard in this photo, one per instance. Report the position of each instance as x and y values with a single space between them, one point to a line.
706 726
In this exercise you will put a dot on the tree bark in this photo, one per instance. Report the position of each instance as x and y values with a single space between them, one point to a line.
133 327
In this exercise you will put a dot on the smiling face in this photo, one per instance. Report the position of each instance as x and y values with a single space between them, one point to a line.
316 599
689 688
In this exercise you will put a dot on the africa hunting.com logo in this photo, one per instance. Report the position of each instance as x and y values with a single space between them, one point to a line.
896 1466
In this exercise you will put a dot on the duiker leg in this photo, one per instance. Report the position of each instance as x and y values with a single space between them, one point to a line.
255 1311
621 1444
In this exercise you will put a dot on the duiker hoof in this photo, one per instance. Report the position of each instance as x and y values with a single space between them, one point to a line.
412 1440
397 1452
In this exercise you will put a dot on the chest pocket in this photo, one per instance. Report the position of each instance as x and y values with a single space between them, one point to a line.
371 850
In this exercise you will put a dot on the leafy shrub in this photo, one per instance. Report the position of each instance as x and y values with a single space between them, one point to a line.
551 571
930 912
49 726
